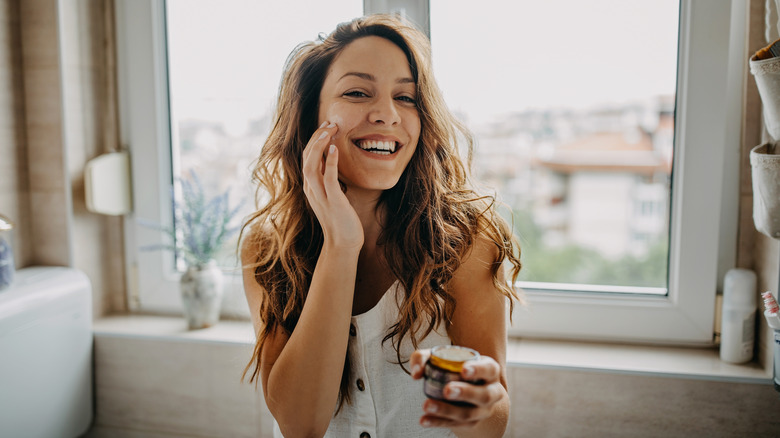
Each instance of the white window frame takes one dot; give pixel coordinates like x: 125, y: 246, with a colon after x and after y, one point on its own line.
x: 711, y: 75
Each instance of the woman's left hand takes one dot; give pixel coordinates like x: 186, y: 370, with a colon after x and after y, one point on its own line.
x: 483, y: 396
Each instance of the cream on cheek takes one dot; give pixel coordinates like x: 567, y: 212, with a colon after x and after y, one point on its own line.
x: 333, y: 115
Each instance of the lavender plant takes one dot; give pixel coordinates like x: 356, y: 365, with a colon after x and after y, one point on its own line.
x: 202, y: 225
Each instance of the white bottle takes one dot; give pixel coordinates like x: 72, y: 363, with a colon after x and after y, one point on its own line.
x: 738, y: 320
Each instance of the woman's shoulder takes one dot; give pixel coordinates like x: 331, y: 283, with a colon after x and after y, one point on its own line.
x: 479, y: 261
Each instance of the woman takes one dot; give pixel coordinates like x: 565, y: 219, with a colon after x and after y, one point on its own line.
x: 371, y: 247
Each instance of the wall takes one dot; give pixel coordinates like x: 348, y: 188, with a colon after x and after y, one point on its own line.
x: 198, y: 393
x: 755, y: 250
x: 14, y: 179
x: 55, y: 95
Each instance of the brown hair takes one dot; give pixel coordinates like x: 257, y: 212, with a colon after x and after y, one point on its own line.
x: 436, y: 214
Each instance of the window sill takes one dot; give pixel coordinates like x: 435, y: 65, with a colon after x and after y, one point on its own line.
x: 678, y: 362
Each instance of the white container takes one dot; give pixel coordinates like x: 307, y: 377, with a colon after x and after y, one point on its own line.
x: 738, y: 319
x: 46, y: 354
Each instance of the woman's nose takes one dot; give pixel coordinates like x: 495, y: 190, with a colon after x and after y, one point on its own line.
x: 383, y: 111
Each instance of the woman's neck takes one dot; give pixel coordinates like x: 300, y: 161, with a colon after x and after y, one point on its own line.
x: 365, y: 204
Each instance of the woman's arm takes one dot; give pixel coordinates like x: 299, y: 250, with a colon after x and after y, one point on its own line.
x: 301, y: 372
x: 479, y: 322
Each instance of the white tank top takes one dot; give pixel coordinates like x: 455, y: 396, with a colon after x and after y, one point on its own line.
x: 390, y: 402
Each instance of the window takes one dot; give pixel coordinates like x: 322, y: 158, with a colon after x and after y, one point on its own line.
x: 199, y: 85
x: 664, y: 214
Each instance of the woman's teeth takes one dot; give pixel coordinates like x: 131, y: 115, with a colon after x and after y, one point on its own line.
x: 377, y: 147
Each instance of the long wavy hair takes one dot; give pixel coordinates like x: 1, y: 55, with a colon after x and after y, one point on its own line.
x: 437, y: 215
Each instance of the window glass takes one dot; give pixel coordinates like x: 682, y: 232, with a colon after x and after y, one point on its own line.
x: 225, y: 61
x: 573, y: 107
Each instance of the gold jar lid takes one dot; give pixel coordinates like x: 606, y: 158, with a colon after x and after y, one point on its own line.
x: 452, y: 357
x: 5, y: 223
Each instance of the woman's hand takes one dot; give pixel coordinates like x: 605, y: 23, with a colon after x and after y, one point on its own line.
x: 484, y: 396
x: 338, y: 219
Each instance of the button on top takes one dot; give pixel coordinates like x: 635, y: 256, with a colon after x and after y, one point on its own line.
x: 352, y: 330
x: 365, y: 435
x: 360, y: 385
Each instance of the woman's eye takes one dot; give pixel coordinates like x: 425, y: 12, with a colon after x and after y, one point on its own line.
x: 408, y: 99
x: 355, y: 94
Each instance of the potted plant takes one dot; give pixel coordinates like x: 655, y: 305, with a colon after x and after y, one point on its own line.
x: 202, y: 226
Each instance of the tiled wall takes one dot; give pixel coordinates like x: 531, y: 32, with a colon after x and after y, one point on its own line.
x: 571, y: 403
x: 14, y: 181
x: 756, y: 251
x: 53, y: 104
x: 197, y: 392
x: 194, y: 390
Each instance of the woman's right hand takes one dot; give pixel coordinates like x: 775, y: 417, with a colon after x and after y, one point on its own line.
x: 340, y: 223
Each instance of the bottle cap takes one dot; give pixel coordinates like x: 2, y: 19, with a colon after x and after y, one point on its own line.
x: 452, y: 357
x: 739, y: 287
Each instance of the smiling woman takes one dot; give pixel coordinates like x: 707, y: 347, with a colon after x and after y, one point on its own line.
x: 375, y: 111
x: 392, y: 253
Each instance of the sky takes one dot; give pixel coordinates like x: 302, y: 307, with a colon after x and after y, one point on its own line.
x: 490, y: 56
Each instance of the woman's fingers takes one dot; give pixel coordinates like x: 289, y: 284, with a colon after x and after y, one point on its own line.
x: 468, y: 401
x: 475, y: 403
x: 331, y: 172
x: 313, y: 184
x: 483, y: 369
x: 417, y: 362
x: 478, y: 395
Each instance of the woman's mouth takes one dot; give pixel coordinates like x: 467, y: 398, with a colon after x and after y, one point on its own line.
x: 377, y: 147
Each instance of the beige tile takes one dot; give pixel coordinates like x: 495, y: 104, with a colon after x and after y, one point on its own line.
x: 45, y: 157
x: 558, y: 403
x: 115, y: 432
x: 173, y: 387
x: 50, y: 233
x: 43, y: 96
x: 40, y: 38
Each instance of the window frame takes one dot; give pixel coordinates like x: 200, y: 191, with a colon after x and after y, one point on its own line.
x: 703, y: 229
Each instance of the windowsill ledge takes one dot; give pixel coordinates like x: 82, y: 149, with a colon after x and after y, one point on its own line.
x: 659, y: 361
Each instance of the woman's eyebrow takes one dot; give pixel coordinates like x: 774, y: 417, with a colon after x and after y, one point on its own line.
x: 370, y: 77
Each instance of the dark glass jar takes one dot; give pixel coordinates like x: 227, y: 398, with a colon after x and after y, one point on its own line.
x: 444, y: 366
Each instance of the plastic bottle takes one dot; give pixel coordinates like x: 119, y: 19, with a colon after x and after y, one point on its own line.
x: 738, y: 320
x: 772, y: 315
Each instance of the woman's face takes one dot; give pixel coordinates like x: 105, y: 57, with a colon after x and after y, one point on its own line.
x: 370, y: 94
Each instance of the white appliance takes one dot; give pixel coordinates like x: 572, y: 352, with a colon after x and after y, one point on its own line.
x: 46, y: 354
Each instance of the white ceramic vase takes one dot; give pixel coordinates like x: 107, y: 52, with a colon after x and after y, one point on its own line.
x: 201, y: 294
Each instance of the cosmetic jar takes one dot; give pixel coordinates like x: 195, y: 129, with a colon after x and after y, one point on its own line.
x: 6, y: 252
x: 444, y: 366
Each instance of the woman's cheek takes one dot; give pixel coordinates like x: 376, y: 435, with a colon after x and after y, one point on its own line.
x: 334, y: 115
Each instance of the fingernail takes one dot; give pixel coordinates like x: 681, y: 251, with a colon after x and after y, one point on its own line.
x: 431, y: 408
x: 415, y: 369
x: 323, y: 124
x: 332, y: 149
x: 331, y: 125
x: 426, y: 423
x: 468, y: 371
x: 322, y: 135
x: 453, y: 392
